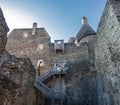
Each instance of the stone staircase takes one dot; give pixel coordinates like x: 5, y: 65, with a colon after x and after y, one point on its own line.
x: 42, y: 87
x: 47, y: 75
x: 52, y: 72
x: 56, y: 98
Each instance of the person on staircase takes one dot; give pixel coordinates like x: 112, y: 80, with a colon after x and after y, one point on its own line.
x: 40, y: 67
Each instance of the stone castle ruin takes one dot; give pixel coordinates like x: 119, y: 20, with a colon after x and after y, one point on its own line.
x: 54, y: 57
x: 83, y: 71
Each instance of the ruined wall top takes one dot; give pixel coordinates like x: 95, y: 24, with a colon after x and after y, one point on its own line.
x: 115, y: 5
x: 3, y: 22
x: 107, y: 54
x: 30, y: 33
x: 3, y: 33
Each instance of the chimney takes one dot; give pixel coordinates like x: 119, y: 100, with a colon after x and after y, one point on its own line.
x: 84, y: 20
x: 34, y: 28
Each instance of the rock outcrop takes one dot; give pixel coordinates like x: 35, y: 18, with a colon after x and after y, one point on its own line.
x: 107, y: 52
x: 17, y: 75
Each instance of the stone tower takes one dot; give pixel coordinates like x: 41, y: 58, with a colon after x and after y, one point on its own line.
x: 86, y: 33
x: 29, y: 42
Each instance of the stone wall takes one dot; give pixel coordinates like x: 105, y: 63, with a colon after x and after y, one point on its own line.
x: 16, y: 81
x: 78, y: 59
x: 3, y: 33
x: 23, y: 44
x: 28, y: 47
x: 107, y: 52
x: 17, y: 75
x: 81, y: 86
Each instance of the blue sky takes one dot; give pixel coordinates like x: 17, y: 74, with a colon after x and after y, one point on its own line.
x: 61, y: 18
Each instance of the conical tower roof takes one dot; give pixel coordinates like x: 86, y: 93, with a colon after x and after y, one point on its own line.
x: 85, y: 30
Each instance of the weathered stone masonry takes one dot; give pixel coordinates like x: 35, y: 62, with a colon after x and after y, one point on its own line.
x: 17, y: 75
x: 107, y: 52
x: 93, y: 77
